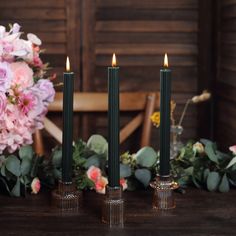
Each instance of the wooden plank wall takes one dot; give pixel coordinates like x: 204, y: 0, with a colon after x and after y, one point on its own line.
x: 140, y: 32
x: 225, y: 125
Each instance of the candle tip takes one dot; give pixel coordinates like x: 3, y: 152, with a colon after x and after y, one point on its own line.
x: 67, y: 64
x: 166, y: 60
x: 113, y: 60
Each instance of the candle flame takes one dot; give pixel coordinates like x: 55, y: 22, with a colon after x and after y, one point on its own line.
x: 67, y: 64
x: 166, y: 60
x: 113, y: 60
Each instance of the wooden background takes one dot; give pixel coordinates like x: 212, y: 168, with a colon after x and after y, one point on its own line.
x: 225, y: 124
x: 140, y: 32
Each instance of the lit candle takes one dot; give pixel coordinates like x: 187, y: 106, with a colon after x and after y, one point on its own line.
x: 67, y: 139
x: 113, y: 125
x: 165, y: 94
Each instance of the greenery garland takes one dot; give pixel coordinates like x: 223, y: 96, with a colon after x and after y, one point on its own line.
x: 200, y: 164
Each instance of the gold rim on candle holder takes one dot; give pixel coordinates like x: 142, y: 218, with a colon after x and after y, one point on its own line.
x: 163, y: 198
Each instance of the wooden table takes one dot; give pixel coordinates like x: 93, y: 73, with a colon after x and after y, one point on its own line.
x: 198, y: 213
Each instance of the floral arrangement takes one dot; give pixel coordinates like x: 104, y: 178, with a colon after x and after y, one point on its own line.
x: 203, y: 165
x: 25, y: 93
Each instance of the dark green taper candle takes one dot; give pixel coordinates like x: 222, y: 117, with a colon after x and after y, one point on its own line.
x: 113, y: 125
x: 67, y: 137
x: 165, y: 94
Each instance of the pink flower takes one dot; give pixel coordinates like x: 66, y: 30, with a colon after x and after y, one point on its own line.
x: 5, y: 76
x: 37, y: 61
x: 22, y: 75
x: 26, y: 102
x: 3, y: 103
x: 45, y: 89
x: 233, y: 149
x: 100, y: 185
x: 94, y: 173
x: 35, y: 185
x: 123, y: 183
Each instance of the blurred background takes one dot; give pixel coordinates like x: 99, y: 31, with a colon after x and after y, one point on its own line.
x: 198, y: 35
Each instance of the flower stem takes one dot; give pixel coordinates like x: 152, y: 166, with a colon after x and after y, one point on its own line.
x: 184, y: 111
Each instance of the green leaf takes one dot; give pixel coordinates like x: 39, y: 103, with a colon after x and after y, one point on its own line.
x: 143, y: 175
x: 13, y: 165
x: 125, y: 171
x: 231, y: 163
x: 5, y: 184
x: 206, y: 141
x: 98, y: 144
x: 224, y: 184
x: 57, y: 157
x: 26, y: 152
x: 205, y: 174
x: 213, y: 180
x: 3, y: 170
x: 92, y: 161
x: 209, y: 149
x: 25, y: 165
x: 146, y: 157
x: 189, y: 170
x: 16, y: 189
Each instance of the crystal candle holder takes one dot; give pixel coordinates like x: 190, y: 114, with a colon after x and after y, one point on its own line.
x: 66, y: 197
x: 113, y: 207
x: 163, y: 198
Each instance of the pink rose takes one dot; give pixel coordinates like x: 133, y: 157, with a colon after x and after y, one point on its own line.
x: 123, y: 183
x: 5, y: 76
x: 233, y: 149
x: 35, y: 185
x: 100, y: 185
x: 22, y: 75
x: 37, y: 61
x: 94, y: 173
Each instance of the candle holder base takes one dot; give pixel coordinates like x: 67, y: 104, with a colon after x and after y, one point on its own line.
x: 66, y: 197
x: 163, y: 198
x: 113, y: 207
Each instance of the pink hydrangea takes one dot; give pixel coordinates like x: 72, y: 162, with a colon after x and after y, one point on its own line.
x: 23, y: 101
x: 5, y: 76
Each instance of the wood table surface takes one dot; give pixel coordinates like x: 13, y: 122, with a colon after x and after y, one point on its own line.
x: 198, y: 213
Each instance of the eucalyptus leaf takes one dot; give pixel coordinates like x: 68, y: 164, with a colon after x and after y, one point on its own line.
x: 146, y: 157
x: 26, y: 152
x: 213, y: 180
x: 25, y: 165
x: 3, y: 170
x: 231, y: 163
x: 224, y: 184
x: 98, y: 144
x: 206, y: 141
x: 13, y: 165
x: 205, y: 174
x: 92, y: 161
x: 209, y: 149
x: 125, y: 171
x: 16, y: 189
x: 143, y: 175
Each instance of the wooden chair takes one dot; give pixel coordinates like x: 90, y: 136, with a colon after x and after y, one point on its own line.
x: 144, y: 102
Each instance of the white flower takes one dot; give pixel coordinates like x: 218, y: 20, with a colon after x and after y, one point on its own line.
x: 198, y: 147
x: 34, y: 39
